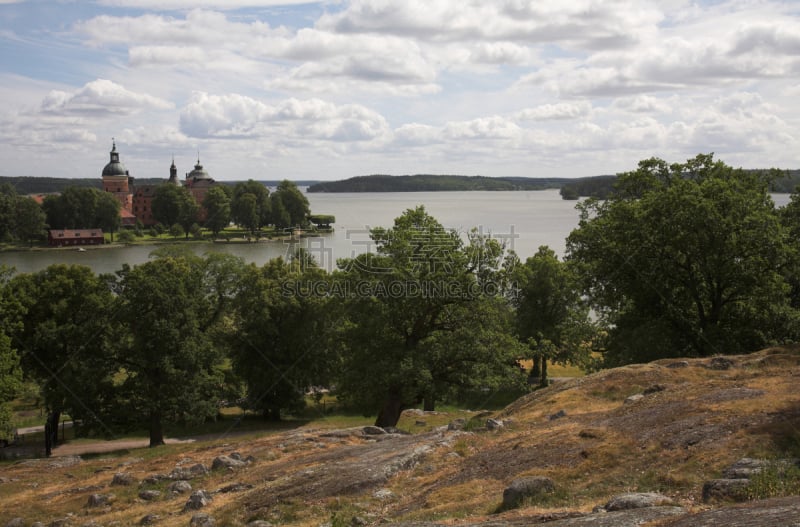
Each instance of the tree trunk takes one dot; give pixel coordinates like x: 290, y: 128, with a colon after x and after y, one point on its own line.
x: 536, y: 371
x: 392, y: 409
x: 156, y: 430
x: 429, y: 403
x: 544, y: 381
x: 51, y: 432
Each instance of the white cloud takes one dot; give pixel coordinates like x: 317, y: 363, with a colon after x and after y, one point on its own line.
x: 643, y: 104
x: 192, y: 4
x: 582, y: 23
x: 101, y: 96
x: 562, y: 110
x: 293, y: 120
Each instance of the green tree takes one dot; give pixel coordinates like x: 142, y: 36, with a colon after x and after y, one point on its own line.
x: 29, y: 222
x: 63, y: 340
x: 8, y: 201
x: 10, y: 382
x: 172, y: 368
x: 10, y: 372
x: 173, y: 204
x: 551, y: 316
x: 256, y: 212
x: 245, y: 212
x: 684, y: 259
x: 278, y: 341
x: 107, y: 213
x: 218, y: 207
x: 295, y: 203
x: 423, y: 319
x: 280, y: 217
x: 176, y: 231
x: 74, y: 208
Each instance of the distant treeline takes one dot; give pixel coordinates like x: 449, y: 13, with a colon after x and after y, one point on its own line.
x: 49, y: 185
x: 433, y: 183
x: 570, y: 188
x: 787, y: 183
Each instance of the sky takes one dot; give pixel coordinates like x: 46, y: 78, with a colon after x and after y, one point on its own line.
x: 274, y: 89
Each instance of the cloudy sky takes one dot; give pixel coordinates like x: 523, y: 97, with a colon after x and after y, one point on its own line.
x: 270, y: 89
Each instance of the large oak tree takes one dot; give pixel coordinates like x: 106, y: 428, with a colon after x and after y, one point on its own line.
x: 424, y: 317
x: 684, y: 259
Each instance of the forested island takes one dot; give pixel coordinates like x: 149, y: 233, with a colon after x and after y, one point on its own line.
x: 570, y: 188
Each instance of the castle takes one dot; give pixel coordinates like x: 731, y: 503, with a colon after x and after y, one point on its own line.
x: 137, y: 200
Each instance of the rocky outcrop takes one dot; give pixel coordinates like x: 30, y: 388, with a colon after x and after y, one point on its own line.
x: 526, y: 489
x: 197, y: 500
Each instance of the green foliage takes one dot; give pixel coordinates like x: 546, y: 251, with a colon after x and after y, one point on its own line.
x: 599, y: 187
x: 172, y: 367
x: 82, y: 208
x: 779, y: 478
x: 63, y: 340
x: 29, y: 222
x: 251, y: 206
x: 421, y: 317
x: 246, y: 212
x: 173, y: 204
x: 176, y: 231
x: 126, y: 236
x: 293, y: 202
x: 683, y: 260
x: 218, y: 209
x: 551, y: 316
x: 323, y: 221
x: 278, y: 342
x: 10, y: 383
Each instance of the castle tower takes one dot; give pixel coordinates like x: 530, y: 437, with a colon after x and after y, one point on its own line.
x: 117, y: 180
x: 173, y: 173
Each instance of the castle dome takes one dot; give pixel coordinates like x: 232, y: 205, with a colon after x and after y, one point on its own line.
x: 114, y: 167
x: 198, y: 173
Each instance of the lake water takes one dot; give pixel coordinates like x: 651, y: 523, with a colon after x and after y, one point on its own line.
x: 523, y: 220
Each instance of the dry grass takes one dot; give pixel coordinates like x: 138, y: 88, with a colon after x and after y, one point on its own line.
x: 694, y: 422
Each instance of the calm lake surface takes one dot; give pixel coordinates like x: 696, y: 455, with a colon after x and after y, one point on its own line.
x: 523, y: 220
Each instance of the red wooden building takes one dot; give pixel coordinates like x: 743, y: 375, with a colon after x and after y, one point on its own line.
x: 68, y: 237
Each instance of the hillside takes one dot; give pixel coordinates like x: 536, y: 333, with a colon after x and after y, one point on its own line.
x: 668, y: 427
x: 434, y: 183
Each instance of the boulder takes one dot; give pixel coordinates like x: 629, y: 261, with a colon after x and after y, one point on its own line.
x: 726, y: 489
x: 259, y: 523
x: 634, y: 398
x: 720, y: 363
x: 202, y: 520
x: 123, y: 478
x: 180, y: 487
x: 197, y: 500
x: 149, y: 495
x: 745, y: 468
x: 493, y: 424
x: 637, y: 500
x: 188, y: 473
x: 99, y: 500
x: 226, y: 462
x: 373, y: 430
x: 149, y: 519
x: 558, y: 415
x: 16, y: 522
x: 457, y: 424
x: 234, y: 487
x: 528, y: 488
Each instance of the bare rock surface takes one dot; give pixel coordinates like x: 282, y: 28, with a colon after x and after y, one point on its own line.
x: 346, y: 470
x: 772, y: 512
